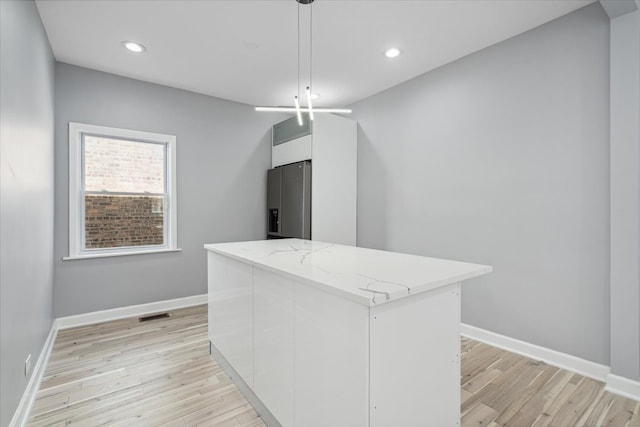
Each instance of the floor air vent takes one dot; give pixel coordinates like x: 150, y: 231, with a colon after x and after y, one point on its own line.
x: 153, y: 317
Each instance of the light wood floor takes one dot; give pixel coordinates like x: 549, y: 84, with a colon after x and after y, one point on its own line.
x: 504, y: 389
x: 126, y: 373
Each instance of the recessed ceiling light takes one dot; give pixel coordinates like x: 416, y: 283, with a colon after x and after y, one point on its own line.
x: 315, y: 95
x: 134, y: 47
x: 392, y: 53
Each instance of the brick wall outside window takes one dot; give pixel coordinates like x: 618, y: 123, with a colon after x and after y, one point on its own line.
x: 126, y: 167
x: 117, y: 221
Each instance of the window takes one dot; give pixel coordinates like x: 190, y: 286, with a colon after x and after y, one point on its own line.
x: 121, y: 192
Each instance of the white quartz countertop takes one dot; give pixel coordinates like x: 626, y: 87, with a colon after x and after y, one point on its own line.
x: 368, y: 276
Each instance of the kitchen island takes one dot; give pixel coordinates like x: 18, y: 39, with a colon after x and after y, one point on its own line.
x: 318, y: 334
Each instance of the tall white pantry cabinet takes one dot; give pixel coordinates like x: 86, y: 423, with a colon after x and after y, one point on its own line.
x: 330, y: 142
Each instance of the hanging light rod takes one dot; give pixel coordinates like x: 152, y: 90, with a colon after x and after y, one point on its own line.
x: 305, y: 110
x: 298, y: 113
x: 298, y: 109
x: 309, y: 103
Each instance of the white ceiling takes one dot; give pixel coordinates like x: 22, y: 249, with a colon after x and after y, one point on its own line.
x: 246, y: 51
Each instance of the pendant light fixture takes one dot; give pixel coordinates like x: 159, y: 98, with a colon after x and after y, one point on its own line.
x: 297, y: 108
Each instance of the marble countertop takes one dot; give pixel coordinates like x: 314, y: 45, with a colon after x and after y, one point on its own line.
x: 367, y: 276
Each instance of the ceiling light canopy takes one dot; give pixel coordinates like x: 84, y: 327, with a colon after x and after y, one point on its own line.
x: 297, y: 108
x: 392, y: 53
x: 133, y: 46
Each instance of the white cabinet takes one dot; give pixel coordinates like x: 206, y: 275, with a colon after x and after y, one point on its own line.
x: 331, y: 145
x: 273, y: 344
x: 331, y: 360
x: 291, y: 151
x: 231, y: 312
x: 297, y: 374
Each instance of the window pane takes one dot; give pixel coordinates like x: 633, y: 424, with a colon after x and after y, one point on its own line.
x: 123, y: 166
x: 123, y: 221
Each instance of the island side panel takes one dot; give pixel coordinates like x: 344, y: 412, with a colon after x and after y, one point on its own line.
x: 415, y: 360
x: 273, y: 374
x: 331, y: 360
x: 231, y: 312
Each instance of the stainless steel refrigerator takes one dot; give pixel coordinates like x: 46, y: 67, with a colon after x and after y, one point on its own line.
x: 289, y: 201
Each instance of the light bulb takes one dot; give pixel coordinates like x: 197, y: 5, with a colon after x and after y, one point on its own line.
x: 298, y: 113
x: 392, y: 53
x: 134, y: 47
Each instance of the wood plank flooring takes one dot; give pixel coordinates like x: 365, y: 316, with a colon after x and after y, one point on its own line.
x: 504, y: 389
x: 127, y: 373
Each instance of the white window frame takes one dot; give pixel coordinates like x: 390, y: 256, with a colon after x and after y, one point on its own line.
x: 77, y: 131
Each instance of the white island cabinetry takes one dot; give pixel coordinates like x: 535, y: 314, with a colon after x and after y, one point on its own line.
x: 319, y: 334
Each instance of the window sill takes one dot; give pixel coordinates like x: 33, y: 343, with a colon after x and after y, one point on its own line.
x: 108, y: 255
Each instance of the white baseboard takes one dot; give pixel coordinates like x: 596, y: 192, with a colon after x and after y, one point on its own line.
x: 129, y: 311
x: 555, y: 358
x: 24, y: 406
x: 623, y: 386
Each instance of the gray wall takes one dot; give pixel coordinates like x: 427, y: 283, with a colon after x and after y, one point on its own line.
x: 502, y: 158
x: 625, y: 195
x: 26, y: 195
x: 223, y: 153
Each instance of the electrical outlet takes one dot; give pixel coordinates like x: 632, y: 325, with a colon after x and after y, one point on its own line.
x: 27, y: 366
